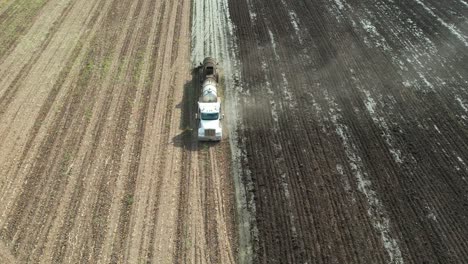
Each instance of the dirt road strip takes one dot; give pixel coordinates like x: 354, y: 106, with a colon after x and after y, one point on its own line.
x: 213, y: 35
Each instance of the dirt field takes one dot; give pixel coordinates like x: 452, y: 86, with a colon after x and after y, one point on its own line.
x: 354, y: 128
x: 98, y: 162
x: 346, y: 132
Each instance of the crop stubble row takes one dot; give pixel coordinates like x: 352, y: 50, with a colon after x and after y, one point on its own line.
x: 98, y: 171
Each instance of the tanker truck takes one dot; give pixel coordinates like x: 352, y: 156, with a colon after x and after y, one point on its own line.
x: 209, y: 114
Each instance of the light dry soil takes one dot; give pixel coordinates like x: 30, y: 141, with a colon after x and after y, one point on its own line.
x: 98, y: 161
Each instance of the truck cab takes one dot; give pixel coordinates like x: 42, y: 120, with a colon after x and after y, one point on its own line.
x: 209, y: 125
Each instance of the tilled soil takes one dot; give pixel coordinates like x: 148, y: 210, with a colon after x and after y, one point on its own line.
x: 354, y: 129
x: 98, y: 161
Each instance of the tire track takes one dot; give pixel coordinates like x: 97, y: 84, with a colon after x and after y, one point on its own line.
x: 221, y: 216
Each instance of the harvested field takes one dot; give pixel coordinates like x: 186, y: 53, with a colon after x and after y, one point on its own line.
x: 98, y: 163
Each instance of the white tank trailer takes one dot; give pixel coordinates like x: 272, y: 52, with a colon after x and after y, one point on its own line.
x: 209, y: 114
